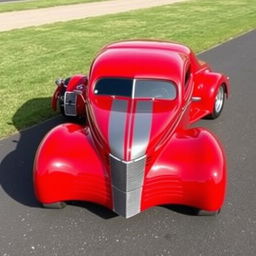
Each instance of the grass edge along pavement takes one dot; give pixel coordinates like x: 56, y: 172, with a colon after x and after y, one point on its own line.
x: 32, y: 58
x: 32, y: 4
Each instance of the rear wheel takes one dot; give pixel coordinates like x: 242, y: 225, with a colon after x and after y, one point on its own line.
x: 57, y: 205
x: 219, y: 103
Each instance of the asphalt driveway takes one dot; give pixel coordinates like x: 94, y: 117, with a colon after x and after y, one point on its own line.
x: 88, y: 229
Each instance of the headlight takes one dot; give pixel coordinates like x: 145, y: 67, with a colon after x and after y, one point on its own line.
x: 59, y: 81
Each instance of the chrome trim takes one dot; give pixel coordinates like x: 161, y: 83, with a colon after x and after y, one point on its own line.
x: 127, y: 180
x: 133, y: 88
x: 117, y: 127
x: 127, y: 176
x: 126, y: 204
x: 142, y: 128
x: 70, y: 99
x: 196, y: 99
x: 59, y: 81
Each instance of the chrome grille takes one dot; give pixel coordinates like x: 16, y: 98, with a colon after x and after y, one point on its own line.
x: 127, y: 176
x: 127, y: 180
x: 70, y: 99
x: 126, y: 204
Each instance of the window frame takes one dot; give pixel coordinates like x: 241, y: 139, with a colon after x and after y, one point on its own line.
x: 187, y: 77
x: 132, y: 96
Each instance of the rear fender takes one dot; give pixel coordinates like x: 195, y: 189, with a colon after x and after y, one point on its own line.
x: 190, y: 171
x: 205, y: 89
x: 68, y: 167
x: 54, y: 101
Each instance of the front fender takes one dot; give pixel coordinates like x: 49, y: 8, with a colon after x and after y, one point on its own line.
x: 54, y: 101
x: 75, y: 81
x: 67, y: 166
x: 190, y: 171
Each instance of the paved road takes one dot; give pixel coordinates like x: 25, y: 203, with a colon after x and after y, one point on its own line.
x: 87, y: 229
x: 28, y: 18
x: 5, y: 1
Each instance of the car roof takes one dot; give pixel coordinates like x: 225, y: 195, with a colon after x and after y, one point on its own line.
x: 151, y: 44
x: 141, y: 59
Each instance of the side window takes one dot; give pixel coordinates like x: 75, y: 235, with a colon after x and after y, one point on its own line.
x: 187, y: 76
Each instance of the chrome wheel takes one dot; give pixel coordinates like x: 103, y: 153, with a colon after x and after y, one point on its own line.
x: 219, y: 100
x: 218, y: 103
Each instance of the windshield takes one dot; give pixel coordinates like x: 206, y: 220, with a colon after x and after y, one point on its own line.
x: 138, y: 88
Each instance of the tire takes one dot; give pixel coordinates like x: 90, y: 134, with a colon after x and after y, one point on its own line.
x: 61, y: 102
x: 57, y: 205
x: 219, y: 103
x: 208, y: 213
x: 61, y: 98
x: 62, y: 111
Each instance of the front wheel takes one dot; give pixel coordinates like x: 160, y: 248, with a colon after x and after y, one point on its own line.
x: 219, y: 103
x: 208, y: 213
x: 61, y: 101
x: 57, y: 205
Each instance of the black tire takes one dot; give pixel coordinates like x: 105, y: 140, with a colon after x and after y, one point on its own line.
x: 61, y: 97
x: 61, y: 101
x: 219, y: 103
x: 208, y: 213
x: 62, y: 111
x: 57, y: 205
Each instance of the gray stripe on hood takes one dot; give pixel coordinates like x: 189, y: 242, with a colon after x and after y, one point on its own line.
x: 142, y: 128
x: 116, y: 131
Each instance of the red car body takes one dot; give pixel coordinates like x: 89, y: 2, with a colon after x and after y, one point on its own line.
x: 137, y: 149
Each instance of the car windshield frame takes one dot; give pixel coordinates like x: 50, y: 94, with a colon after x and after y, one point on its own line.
x: 135, y: 91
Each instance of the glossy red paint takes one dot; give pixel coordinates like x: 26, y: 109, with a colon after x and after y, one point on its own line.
x: 183, y: 166
x: 71, y: 168
x: 55, y: 98
x: 193, y: 165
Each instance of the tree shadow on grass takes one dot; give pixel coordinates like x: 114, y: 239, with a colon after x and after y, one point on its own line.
x: 16, y: 177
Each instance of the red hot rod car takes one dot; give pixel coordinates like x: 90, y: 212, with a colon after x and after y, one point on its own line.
x: 136, y: 149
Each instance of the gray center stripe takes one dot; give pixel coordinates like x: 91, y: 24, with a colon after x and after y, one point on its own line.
x: 117, y: 127
x: 142, y: 128
x: 127, y: 177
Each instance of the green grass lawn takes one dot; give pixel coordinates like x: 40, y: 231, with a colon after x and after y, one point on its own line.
x: 32, y: 58
x: 34, y: 4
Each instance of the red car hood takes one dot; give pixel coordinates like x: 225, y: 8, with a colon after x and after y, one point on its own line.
x: 131, y: 127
